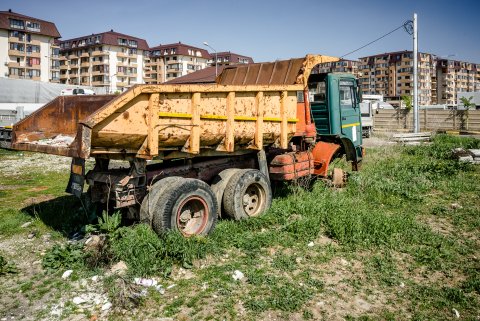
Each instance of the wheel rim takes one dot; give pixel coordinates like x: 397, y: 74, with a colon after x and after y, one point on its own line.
x: 192, y: 216
x: 253, y: 199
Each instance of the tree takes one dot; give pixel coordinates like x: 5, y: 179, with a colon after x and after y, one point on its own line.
x: 467, y: 103
x: 407, y: 101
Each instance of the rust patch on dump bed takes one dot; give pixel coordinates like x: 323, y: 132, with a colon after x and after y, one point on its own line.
x: 126, y: 115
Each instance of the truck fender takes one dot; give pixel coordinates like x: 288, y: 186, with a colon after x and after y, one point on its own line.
x: 351, y: 153
x: 323, y: 153
x: 349, y: 149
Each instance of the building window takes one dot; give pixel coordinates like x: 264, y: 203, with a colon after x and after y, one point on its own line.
x: 17, y: 24
x: 17, y: 34
x: 17, y: 46
x: 33, y: 26
x: 33, y: 61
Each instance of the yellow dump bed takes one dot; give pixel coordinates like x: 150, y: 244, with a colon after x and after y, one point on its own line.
x: 150, y: 119
x: 242, y: 111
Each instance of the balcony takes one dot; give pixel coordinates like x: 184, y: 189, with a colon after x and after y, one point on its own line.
x: 33, y: 54
x: 84, y: 55
x: 132, y: 75
x: 72, y: 56
x: 85, y: 64
x: 84, y: 74
x: 32, y: 66
x: 101, y: 83
x: 64, y: 67
x: 54, y: 68
x: 97, y: 63
x: 62, y: 58
x: 74, y: 66
x: 99, y: 73
x: 121, y: 63
x: 122, y: 55
x: 63, y: 76
x: 100, y: 53
x: 121, y: 84
x: 72, y: 76
x: 132, y: 56
x: 16, y: 65
x: 13, y: 76
x: 120, y: 74
x: 16, y: 53
x: 34, y: 42
x: 16, y: 39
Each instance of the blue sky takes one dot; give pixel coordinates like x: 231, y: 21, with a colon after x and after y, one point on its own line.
x: 270, y: 30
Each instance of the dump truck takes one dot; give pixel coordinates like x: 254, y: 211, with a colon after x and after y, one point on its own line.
x: 197, y: 153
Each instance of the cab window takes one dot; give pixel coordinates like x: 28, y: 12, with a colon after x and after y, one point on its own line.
x: 317, y: 92
x: 347, y: 94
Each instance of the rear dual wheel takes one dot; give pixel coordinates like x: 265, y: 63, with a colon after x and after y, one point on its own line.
x: 247, y: 194
x: 183, y: 204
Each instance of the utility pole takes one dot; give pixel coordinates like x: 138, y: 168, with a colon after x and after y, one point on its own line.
x: 415, y: 75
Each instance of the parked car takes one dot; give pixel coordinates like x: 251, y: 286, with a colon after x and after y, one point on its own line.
x: 77, y: 91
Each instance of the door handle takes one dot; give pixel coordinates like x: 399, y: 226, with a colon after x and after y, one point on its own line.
x: 344, y: 118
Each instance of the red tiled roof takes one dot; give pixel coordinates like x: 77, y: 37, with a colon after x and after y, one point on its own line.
x: 202, y: 76
x: 110, y: 38
x: 180, y: 49
x: 47, y: 28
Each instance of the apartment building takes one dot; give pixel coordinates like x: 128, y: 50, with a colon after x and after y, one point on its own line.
x: 226, y: 58
x: 110, y: 59
x: 391, y: 75
x: 171, y: 61
x: 455, y: 76
x: 348, y: 66
x: 28, y: 48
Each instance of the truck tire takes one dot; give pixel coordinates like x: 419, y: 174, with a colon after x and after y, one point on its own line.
x: 248, y: 193
x: 146, y: 209
x: 219, y: 184
x: 187, y: 205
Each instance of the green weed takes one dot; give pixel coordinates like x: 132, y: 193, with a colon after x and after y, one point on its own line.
x: 147, y: 254
x: 7, y: 267
x: 63, y: 257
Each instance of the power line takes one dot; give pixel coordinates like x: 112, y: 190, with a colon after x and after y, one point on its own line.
x: 406, y: 25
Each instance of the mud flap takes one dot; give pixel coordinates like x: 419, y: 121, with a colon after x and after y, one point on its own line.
x: 77, y: 177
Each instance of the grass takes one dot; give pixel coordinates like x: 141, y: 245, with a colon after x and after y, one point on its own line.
x: 393, y: 234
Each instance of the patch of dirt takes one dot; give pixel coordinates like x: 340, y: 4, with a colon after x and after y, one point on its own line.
x: 438, y: 224
x: 38, y: 189
x: 377, y: 141
x: 23, y: 162
x: 38, y: 199
x: 9, y: 187
x: 26, y: 255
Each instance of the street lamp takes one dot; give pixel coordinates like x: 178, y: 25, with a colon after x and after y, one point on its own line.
x: 216, y: 57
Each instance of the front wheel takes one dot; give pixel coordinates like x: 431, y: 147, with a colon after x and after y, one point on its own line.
x: 248, y: 193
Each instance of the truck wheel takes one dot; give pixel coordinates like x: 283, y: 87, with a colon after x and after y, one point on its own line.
x: 248, y: 193
x: 219, y: 184
x: 146, y: 209
x: 187, y: 205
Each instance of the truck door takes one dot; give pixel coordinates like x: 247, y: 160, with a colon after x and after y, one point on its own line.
x: 350, y: 111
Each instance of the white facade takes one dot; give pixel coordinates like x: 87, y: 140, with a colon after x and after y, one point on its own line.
x: 18, y: 63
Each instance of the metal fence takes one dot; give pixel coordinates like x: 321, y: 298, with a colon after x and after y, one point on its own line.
x: 430, y: 120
